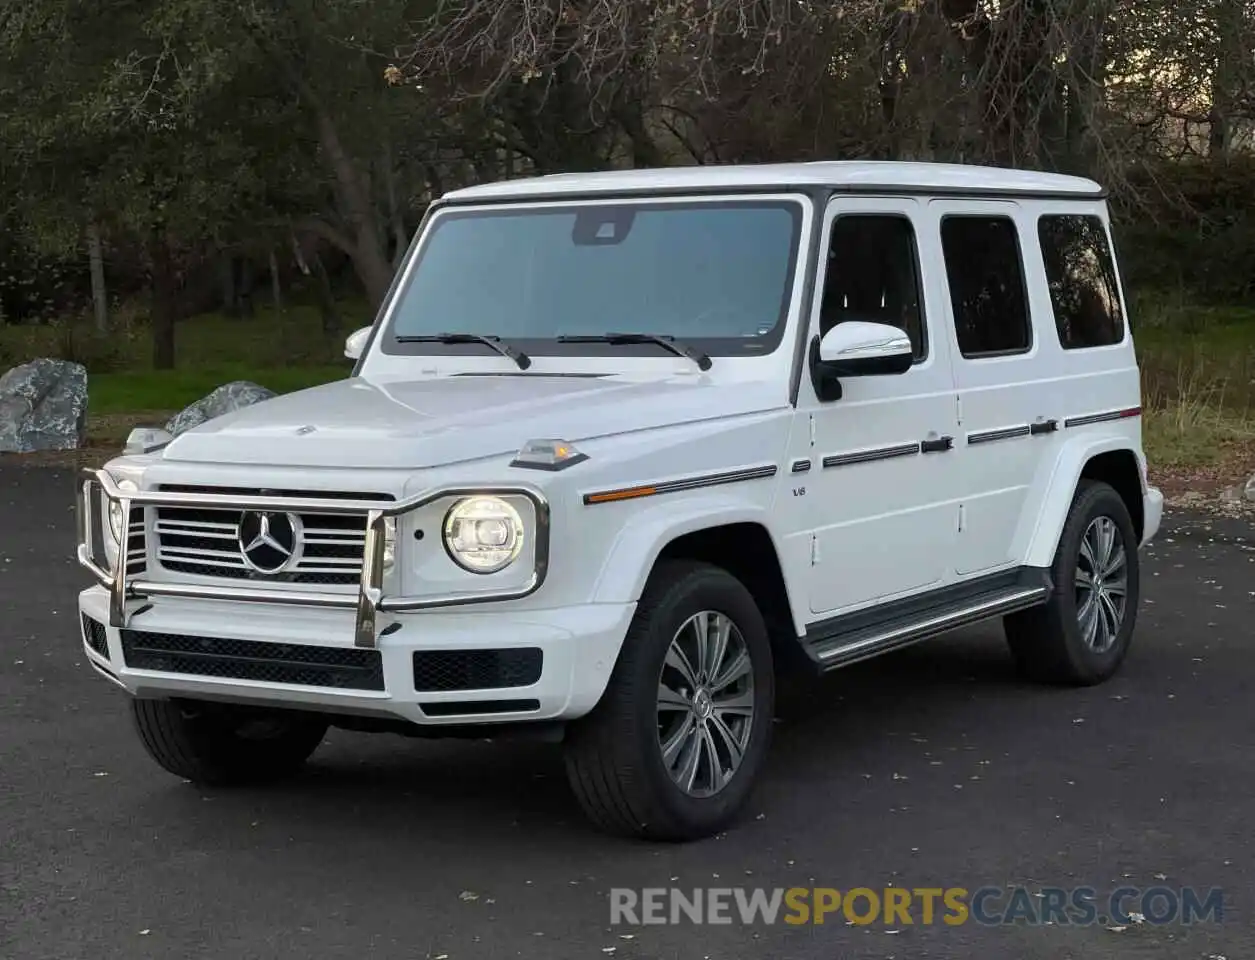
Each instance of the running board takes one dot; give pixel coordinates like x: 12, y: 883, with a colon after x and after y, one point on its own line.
x: 836, y: 647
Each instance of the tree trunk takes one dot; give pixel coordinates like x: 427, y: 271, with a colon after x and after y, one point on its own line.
x: 226, y: 272
x: 96, y: 263
x: 1226, y: 77
x: 276, y: 287
x: 164, y: 303
x: 369, y: 260
x: 331, y: 323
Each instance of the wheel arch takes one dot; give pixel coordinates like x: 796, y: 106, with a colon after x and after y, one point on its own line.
x: 732, y: 535
x: 1112, y: 460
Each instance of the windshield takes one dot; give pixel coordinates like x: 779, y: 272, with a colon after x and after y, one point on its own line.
x: 715, y: 274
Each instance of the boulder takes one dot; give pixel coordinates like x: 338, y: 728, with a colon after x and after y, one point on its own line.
x: 228, y: 397
x: 1250, y: 489
x: 43, y: 406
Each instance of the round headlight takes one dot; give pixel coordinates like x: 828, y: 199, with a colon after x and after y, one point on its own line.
x: 483, y: 534
x: 115, y: 509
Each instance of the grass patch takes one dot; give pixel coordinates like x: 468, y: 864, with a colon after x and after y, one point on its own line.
x: 115, y: 393
x: 1198, y: 387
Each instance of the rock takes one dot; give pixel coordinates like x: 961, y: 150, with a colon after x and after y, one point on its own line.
x: 1250, y: 489
x: 228, y: 397
x: 43, y: 406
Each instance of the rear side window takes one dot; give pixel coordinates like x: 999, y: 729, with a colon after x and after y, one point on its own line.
x: 1081, y: 274
x: 986, y: 278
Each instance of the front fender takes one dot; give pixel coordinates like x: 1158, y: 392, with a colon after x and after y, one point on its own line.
x: 1055, y: 501
x: 645, y: 533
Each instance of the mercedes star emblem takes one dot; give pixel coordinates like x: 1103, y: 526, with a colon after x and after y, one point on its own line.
x: 270, y: 543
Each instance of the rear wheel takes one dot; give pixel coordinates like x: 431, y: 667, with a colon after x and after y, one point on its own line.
x: 675, y: 746
x: 1082, y: 634
x: 222, y: 745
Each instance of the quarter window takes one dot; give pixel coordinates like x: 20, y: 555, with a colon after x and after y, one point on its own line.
x: 986, y: 278
x: 873, y: 275
x: 1081, y: 275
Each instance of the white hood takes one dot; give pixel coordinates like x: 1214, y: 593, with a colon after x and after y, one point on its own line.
x: 426, y: 423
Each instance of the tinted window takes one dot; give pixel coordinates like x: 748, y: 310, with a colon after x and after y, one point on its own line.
x: 873, y: 274
x: 1081, y: 275
x: 718, y: 274
x: 986, y: 279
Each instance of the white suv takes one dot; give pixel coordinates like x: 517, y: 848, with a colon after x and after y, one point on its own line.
x: 617, y: 447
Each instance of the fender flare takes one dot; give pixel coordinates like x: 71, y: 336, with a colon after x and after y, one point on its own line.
x: 1057, y: 500
x: 646, y: 533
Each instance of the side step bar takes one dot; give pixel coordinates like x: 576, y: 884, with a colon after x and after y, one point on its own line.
x: 836, y: 647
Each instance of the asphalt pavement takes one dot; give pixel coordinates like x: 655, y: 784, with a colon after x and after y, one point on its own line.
x: 932, y: 768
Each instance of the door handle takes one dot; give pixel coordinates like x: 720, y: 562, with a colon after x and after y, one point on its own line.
x: 1043, y: 426
x: 940, y: 445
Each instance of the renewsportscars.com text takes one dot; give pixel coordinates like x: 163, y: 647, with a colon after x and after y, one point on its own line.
x: 903, y: 906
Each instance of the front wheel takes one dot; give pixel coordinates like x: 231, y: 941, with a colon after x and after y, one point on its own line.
x: 220, y: 745
x: 1083, y: 632
x: 675, y: 746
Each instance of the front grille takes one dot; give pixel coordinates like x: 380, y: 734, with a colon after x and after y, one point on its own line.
x: 441, y: 670
x: 94, y: 634
x: 344, y: 668
x: 205, y: 541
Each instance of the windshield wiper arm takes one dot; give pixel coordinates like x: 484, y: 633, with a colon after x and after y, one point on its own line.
x: 668, y: 342
x: 515, y: 354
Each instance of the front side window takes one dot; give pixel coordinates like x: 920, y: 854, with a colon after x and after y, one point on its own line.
x: 1081, y: 275
x: 873, y: 275
x: 717, y: 275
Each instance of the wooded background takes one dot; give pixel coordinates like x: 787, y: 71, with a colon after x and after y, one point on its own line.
x: 185, y: 156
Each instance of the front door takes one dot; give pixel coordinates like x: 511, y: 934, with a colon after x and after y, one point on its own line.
x: 881, y: 489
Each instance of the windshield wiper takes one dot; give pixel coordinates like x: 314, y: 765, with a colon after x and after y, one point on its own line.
x: 668, y: 342
x: 515, y: 354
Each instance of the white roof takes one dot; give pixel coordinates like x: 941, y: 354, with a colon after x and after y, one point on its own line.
x: 858, y: 175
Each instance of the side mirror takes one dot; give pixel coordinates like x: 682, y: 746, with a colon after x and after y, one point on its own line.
x: 857, y: 348
x: 356, y: 342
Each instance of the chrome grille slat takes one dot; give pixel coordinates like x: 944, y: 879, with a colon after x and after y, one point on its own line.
x: 201, y: 556
x: 178, y: 531
x: 199, y: 525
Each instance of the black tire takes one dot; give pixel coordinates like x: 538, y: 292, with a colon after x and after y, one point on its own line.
x: 614, y: 758
x: 211, y: 745
x: 1047, y: 641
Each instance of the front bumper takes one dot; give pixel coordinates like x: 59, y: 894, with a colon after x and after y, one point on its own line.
x: 1152, y: 513
x: 435, y: 659
x: 437, y: 668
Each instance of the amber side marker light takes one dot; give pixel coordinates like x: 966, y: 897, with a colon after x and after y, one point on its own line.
x: 631, y: 493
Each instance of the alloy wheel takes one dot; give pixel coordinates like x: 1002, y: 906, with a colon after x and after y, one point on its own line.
x: 705, y: 704
x: 1101, y: 584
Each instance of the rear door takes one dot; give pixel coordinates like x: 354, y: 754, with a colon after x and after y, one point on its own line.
x: 986, y: 247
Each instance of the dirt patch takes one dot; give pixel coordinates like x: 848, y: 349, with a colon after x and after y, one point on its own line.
x: 1233, y: 468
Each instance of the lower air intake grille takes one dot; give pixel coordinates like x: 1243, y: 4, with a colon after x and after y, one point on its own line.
x: 94, y: 634
x: 340, y: 667
x: 441, y: 670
